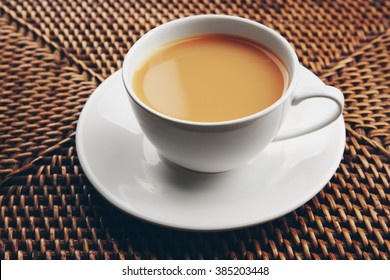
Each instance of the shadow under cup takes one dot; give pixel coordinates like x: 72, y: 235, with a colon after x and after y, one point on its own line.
x: 210, y: 146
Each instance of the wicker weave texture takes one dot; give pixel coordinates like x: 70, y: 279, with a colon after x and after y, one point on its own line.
x: 52, y: 56
x: 41, y: 98
x: 97, y: 34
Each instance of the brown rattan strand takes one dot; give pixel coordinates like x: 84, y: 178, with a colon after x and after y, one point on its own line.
x: 49, y: 210
x: 364, y: 78
x: 322, y: 32
x: 97, y: 34
x: 41, y: 97
x: 54, y: 213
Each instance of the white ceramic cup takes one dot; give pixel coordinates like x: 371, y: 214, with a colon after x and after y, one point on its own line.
x: 220, y: 146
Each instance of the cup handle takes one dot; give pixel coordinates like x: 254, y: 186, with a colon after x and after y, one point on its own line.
x: 328, y: 92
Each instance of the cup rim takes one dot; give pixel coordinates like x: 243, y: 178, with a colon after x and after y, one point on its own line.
x: 286, y: 94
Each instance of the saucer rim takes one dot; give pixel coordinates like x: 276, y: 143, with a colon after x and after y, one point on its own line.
x: 188, y: 227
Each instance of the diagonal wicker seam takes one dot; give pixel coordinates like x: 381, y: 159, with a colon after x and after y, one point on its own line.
x: 58, y: 214
x: 99, y: 32
x: 367, y: 98
x: 333, y: 67
x: 83, y: 67
x: 367, y: 140
x: 100, y: 78
x: 327, y: 71
x: 358, y: 54
x: 54, y: 212
x: 64, y: 53
x: 31, y: 124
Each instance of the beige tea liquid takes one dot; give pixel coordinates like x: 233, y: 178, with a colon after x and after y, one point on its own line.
x: 211, y: 78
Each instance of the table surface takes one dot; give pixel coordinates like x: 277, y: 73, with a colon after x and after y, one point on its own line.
x: 53, y: 54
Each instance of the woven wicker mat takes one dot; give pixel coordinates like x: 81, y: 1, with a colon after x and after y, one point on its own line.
x: 53, y: 54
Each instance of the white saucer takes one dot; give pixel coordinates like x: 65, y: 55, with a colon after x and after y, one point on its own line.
x: 126, y: 169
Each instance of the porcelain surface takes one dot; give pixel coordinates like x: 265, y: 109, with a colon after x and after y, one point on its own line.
x: 225, y: 145
x: 127, y: 170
